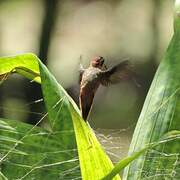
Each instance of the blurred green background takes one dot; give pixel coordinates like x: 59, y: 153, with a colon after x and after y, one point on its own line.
x: 59, y: 31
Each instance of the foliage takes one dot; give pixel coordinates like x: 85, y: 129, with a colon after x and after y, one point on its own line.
x: 31, y: 152
x: 70, y: 150
x: 160, y: 114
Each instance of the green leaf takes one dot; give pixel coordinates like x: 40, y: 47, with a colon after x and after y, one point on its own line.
x: 93, y: 161
x: 160, y: 114
x: 25, y: 64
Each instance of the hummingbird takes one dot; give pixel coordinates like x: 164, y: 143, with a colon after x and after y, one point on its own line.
x: 98, y: 74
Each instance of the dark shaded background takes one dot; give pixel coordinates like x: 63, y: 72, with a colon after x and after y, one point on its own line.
x: 59, y: 31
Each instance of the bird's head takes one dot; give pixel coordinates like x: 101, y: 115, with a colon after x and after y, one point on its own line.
x: 98, y: 62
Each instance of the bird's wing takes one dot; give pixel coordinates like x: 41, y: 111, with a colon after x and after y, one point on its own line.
x: 81, y: 71
x: 119, y: 72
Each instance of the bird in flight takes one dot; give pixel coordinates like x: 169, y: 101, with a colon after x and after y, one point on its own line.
x: 97, y: 74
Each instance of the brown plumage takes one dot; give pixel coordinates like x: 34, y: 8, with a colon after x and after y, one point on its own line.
x: 97, y: 74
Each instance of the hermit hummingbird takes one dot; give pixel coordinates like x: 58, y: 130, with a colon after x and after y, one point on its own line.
x: 98, y: 74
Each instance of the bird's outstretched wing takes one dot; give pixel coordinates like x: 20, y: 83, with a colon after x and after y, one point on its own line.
x: 81, y: 71
x: 119, y: 72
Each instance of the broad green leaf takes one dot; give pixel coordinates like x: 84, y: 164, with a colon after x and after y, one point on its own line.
x: 93, y: 163
x: 160, y: 114
x: 67, y: 128
x: 25, y: 64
